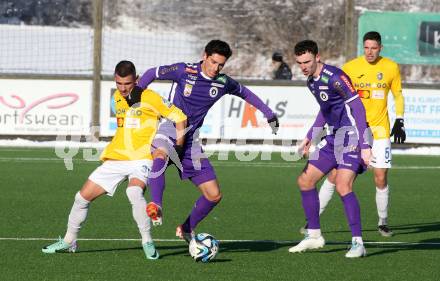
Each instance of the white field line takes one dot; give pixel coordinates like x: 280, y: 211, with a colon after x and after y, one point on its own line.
x: 218, y: 163
x: 226, y: 240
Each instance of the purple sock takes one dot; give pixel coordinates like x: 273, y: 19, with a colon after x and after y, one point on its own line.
x: 353, y: 213
x: 310, y: 202
x: 157, y: 180
x: 201, y: 209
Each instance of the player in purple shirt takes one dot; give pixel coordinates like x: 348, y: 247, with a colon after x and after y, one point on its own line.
x: 198, y: 86
x: 345, y: 148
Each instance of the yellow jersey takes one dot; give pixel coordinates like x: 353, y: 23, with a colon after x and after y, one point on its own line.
x: 137, y: 118
x: 373, y: 82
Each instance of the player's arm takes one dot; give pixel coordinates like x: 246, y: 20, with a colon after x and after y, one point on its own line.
x: 164, y: 72
x: 167, y: 110
x: 342, y: 84
x: 237, y: 89
x: 398, y: 130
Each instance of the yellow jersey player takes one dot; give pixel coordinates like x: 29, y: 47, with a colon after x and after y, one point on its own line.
x: 373, y: 77
x: 126, y: 156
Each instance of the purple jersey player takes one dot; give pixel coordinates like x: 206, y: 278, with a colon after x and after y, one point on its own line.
x: 345, y: 148
x: 198, y: 86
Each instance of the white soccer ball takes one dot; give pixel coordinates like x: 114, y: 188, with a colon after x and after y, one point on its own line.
x: 203, y: 247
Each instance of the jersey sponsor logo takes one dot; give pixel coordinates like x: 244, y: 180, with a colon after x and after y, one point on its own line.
x: 363, y: 94
x: 133, y: 112
x: 217, y: 85
x: 323, y: 87
x: 379, y: 76
x: 323, y: 96
x: 347, y: 82
x: 190, y: 82
x: 213, y: 91
x: 328, y: 72
x: 192, y: 77
x: 221, y: 79
x: 190, y: 70
x: 165, y: 70
x: 338, y: 87
x: 120, y: 122
x: 378, y: 94
x: 324, y: 79
x: 188, y: 89
x: 132, y: 123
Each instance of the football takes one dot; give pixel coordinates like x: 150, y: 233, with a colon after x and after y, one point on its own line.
x: 203, y: 247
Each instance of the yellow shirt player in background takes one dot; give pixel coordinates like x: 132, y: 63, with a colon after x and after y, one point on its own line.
x: 127, y: 156
x: 373, y: 77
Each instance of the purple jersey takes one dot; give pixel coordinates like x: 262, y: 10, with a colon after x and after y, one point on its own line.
x: 333, y: 90
x: 338, y: 101
x: 196, y: 93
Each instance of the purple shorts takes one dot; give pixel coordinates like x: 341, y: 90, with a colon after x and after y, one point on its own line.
x: 194, y: 164
x: 342, y: 153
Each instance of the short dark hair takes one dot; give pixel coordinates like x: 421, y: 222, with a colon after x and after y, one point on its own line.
x: 218, y: 47
x: 373, y: 35
x: 125, y: 68
x: 306, y: 46
x: 277, y: 56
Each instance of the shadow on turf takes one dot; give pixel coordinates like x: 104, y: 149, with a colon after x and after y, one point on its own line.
x: 402, y: 229
x: 392, y: 248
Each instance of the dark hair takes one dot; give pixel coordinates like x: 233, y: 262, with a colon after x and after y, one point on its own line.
x: 277, y: 56
x: 218, y: 47
x: 306, y: 46
x: 373, y: 35
x: 125, y: 68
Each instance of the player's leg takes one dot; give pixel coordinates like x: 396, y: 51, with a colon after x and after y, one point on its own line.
x: 344, y: 186
x: 207, y: 183
x: 310, y: 202
x: 382, y: 200
x: 326, y: 191
x: 157, y: 185
x: 77, y: 216
x: 325, y: 195
x: 135, y: 194
x: 381, y: 163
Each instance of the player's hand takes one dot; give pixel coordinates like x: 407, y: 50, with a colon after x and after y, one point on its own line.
x: 274, y: 124
x: 304, y: 147
x: 398, y: 131
x: 366, y: 155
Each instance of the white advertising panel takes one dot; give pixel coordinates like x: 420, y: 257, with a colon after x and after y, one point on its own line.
x: 422, y: 115
x: 295, y: 106
x: 45, y: 107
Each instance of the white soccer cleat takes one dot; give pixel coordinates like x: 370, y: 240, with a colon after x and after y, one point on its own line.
x: 356, y: 251
x: 308, y: 243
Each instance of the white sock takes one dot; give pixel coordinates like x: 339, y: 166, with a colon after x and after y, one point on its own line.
x: 315, y: 233
x: 325, y: 194
x: 77, y: 216
x: 136, y: 197
x: 382, y: 198
x: 357, y: 239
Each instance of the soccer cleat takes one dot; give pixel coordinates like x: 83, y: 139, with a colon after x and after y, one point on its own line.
x: 60, y: 247
x: 356, y: 251
x: 308, y: 243
x: 385, y: 231
x: 154, y: 211
x: 150, y: 251
x: 184, y: 235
